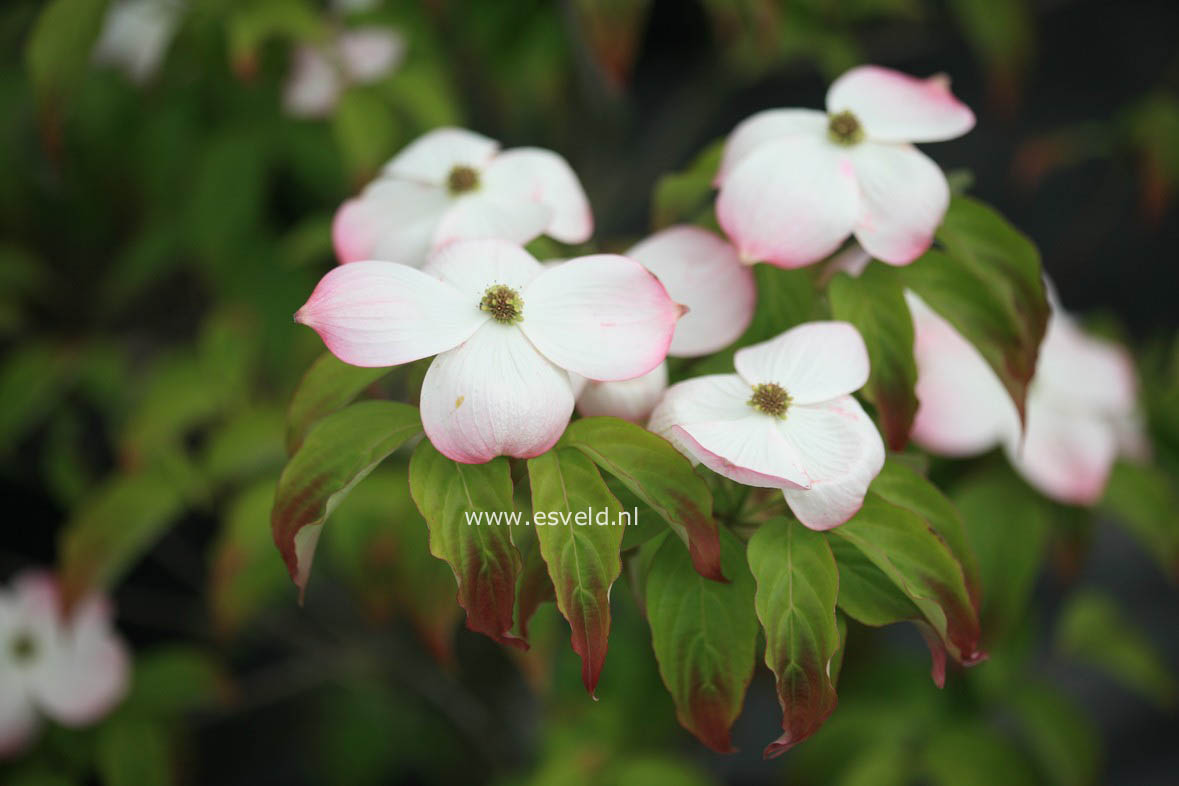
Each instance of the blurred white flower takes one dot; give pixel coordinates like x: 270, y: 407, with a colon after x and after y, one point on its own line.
x: 135, y: 35
x: 320, y: 74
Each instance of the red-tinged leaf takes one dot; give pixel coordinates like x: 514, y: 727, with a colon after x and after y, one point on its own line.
x: 797, y: 585
x: 328, y: 385
x: 704, y: 634
x: 582, y: 554
x: 875, y: 304
x: 336, y: 455
x: 485, y: 563
x: 988, y: 283
x: 918, y: 562
x: 534, y: 586
x: 660, y: 476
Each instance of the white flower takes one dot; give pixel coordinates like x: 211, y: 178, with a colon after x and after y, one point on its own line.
x: 454, y: 184
x: 72, y: 670
x: 319, y: 75
x: 135, y: 35
x: 785, y: 420
x: 794, y: 183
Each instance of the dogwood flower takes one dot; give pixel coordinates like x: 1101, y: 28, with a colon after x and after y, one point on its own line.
x: 785, y: 420
x: 794, y: 183
x: 135, y: 35
x: 319, y: 75
x: 454, y: 184
x: 1081, y: 405
x: 703, y: 272
x: 506, y: 332
x: 72, y: 670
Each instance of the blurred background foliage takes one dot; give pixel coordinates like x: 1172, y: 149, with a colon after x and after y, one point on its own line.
x: 156, y: 234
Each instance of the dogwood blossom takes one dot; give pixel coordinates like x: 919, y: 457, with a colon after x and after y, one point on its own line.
x: 72, y: 670
x: 703, y: 272
x: 794, y: 183
x: 135, y: 35
x: 506, y: 331
x: 320, y: 74
x: 785, y: 420
x: 453, y: 184
x: 1081, y: 405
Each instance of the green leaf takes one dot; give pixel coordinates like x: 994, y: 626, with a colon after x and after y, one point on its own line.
x: 485, y: 563
x: 1061, y: 737
x: 171, y: 681
x: 988, y: 284
x: 1093, y: 629
x: 366, y: 129
x: 657, y: 474
x: 1009, y: 526
x: 132, y: 752
x: 972, y: 754
x: 116, y: 525
x: 581, y: 552
x: 908, y: 550
x: 34, y: 377
x: 245, y: 447
x: 534, y: 587
x: 244, y: 576
x: 866, y: 594
x: 704, y: 634
x: 58, y: 50
x: 1143, y: 500
x: 875, y: 304
x: 326, y: 387
x: 797, y: 584
x: 686, y: 197
x: 336, y: 455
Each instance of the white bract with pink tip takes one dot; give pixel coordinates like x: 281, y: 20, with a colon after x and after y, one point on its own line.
x: 1081, y: 406
x: 703, y: 273
x: 795, y: 183
x: 507, y: 331
x: 453, y: 184
x: 785, y: 420
x: 72, y: 670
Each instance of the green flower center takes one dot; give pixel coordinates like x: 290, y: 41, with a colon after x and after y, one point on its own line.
x: 843, y: 128
x: 23, y: 648
x: 503, y: 303
x: 462, y: 179
x: 770, y: 398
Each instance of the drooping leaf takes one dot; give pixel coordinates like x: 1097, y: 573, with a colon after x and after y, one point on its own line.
x: 327, y: 386
x: 988, y: 284
x: 485, y: 563
x: 657, y: 474
x: 875, y: 304
x: 1008, y: 526
x: 110, y: 530
x: 1093, y: 629
x: 582, y: 557
x: 1143, y: 499
x: 338, y: 453
x: 914, y: 557
x: 797, y: 584
x: 534, y: 586
x: 704, y: 634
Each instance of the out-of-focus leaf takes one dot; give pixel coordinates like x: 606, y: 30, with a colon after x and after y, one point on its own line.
x: 245, y: 574
x: 704, y: 634
x: 686, y: 197
x: 612, y: 30
x: 908, y: 550
x: 171, y: 681
x: 883, y: 765
x: 875, y: 304
x: 1062, y: 738
x: 180, y: 395
x: 989, y: 285
x: 1008, y: 525
x: 1002, y: 33
x: 134, y: 753
x: 1143, y: 499
x: 660, y: 476
x: 338, y: 453
x: 327, y: 386
x: 33, y: 379
x: 582, y: 557
x: 58, y: 49
x: 657, y: 771
x: 110, y: 530
x: 248, y: 445
x: 366, y: 130
x: 252, y: 23
x: 1094, y: 630
x: 797, y: 584
x: 972, y: 754
x: 380, y: 543
x: 309, y: 242
x: 423, y: 92
x: 485, y: 563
